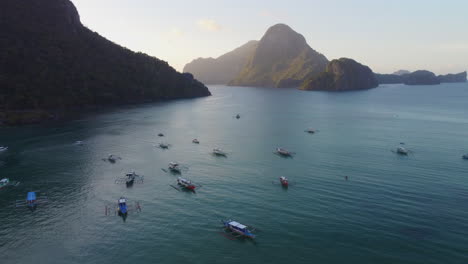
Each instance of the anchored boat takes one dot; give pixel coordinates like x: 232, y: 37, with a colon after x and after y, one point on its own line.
x: 122, y: 210
x: 3, y: 148
x: 4, y: 182
x: 284, y: 152
x: 465, y: 156
x: 310, y: 131
x: 174, y: 167
x: 187, y: 184
x: 195, y: 141
x: 164, y: 145
x: 238, y: 228
x: 402, y: 151
x: 219, y: 152
x: 284, y: 181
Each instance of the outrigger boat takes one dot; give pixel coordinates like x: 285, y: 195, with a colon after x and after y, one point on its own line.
x: 310, y: 131
x: 195, y: 141
x: 123, y: 208
x: 284, y: 152
x: 32, y: 200
x: 237, y: 229
x: 284, y: 181
x: 4, y: 182
x: 164, y: 145
x: 402, y: 151
x: 160, y: 135
x: 130, y: 178
x: 112, y: 158
x: 187, y: 184
x: 465, y: 156
x: 3, y: 148
x: 174, y: 167
x: 219, y: 152
x: 79, y: 143
x: 237, y: 116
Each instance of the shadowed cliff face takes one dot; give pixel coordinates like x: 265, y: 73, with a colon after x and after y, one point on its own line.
x: 342, y: 75
x: 224, y: 68
x: 282, y: 59
x: 49, y: 60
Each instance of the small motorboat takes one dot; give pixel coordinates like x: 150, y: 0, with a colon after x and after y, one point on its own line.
x: 187, y: 184
x: 238, y: 228
x: 310, y: 131
x: 237, y: 116
x: 111, y: 158
x: 130, y: 178
x: 219, y: 152
x: 32, y: 200
x: 284, y: 181
x: 4, y: 182
x: 3, y: 148
x: 465, y: 156
x: 402, y: 151
x: 122, y: 210
x: 160, y: 135
x: 284, y: 152
x: 195, y: 141
x: 164, y: 145
x: 174, y: 167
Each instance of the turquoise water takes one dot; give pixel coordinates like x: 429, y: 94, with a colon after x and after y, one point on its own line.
x: 393, y: 209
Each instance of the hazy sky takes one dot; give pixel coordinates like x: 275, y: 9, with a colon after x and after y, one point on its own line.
x: 386, y: 35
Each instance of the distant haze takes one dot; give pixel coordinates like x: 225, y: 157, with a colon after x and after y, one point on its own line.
x: 385, y: 35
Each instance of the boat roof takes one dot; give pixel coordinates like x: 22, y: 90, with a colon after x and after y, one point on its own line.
x: 238, y: 225
x: 173, y: 163
x: 31, y: 196
x: 122, y: 200
x: 4, y: 180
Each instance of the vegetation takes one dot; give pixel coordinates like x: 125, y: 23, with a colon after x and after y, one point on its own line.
x: 49, y: 60
x: 282, y: 59
x: 342, y: 75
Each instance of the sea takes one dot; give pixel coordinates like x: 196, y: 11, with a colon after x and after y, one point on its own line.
x: 351, y: 199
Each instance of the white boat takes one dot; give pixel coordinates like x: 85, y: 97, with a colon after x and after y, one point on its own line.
x: 401, y: 150
x: 238, y: 228
x: 2, y: 148
x: 174, y: 167
x: 219, y: 152
x: 111, y: 158
x: 4, y: 182
x: 195, y: 141
x: 283, y: 152
x: 186, y: 183
x: 79, y: 142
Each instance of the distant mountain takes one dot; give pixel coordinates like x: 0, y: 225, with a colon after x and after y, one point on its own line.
x: 281, y: 59
x: 51, y: 63
x: 224, y: 68
x: 453, y: 78
x: 342, y: 75
x: 421, y: 77
x: 401, y: 72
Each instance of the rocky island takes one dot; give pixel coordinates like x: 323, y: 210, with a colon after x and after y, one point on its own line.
x: 282, y: 59
x: 342, y: 75
x: 51, y: 64
x: 421, y: 77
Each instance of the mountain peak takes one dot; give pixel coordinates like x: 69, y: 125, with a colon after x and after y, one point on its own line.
x: 282, y: 59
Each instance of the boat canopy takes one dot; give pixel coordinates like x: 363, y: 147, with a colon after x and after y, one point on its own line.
x: 4, y: 180
x: 122, y: 200
x: 31, y: 196
x: 237, y: 225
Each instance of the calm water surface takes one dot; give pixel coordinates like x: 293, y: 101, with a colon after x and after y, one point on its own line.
x: 393, y: 209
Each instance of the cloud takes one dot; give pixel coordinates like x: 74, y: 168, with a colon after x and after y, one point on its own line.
x: 209, y: 25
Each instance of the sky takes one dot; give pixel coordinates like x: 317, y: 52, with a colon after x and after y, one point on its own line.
x: 385, y: 35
